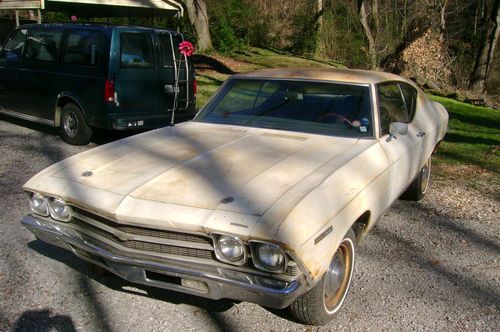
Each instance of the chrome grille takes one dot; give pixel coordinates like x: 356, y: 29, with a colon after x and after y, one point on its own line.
x: 183, y: 247
x: 154, y: 240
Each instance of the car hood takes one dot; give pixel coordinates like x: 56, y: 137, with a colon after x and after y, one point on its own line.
x: 194, y: 175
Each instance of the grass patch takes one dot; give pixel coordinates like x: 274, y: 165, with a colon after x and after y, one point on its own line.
x: 473, y: 136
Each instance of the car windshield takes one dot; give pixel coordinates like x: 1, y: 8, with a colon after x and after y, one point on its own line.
x: 335, y: 109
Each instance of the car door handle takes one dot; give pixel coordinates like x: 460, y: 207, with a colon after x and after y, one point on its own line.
x: 421, y: 134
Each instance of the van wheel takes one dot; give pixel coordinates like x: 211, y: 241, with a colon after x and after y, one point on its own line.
x: 74, y: 128
x: 417, y: 189
x: 319, y: 305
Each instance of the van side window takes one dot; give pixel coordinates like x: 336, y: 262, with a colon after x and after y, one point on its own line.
x: 82, y: 47
x: 391, y: 105
x: 166, y: 50
x: 136, y: 50
x: 43, y: 45
x: 15, y: 45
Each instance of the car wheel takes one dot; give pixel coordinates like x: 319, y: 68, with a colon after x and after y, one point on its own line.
x: 319, y: 305
x: 74, y: 128
x: 417, y: 189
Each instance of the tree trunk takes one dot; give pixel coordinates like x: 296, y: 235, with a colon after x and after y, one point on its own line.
x: 363, y: 17
x: 198, y: 17
x: 318, y: 51
x: 442, y: 26
x: 484, y: 58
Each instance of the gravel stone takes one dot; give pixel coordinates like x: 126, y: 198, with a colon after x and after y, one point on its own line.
x: 426, y: 266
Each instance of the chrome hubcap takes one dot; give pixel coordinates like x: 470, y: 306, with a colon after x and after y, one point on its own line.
x: 338, y: 276
x: 70, y: 124
x: 426, y: 175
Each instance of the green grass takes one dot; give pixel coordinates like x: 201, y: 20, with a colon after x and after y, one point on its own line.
x: 254, y: 58
x: 473, y: 136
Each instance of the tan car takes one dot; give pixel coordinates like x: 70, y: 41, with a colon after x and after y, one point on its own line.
x: 261, y: 198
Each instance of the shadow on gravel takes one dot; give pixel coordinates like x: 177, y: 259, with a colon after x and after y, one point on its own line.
x: 414, y: 254
x: 43, y: 321
x: 211, y: 308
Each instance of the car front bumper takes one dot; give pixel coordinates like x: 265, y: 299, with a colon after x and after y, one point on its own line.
x: 195, y: 279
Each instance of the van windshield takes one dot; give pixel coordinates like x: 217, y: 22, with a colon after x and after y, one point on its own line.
x: 335, y: 109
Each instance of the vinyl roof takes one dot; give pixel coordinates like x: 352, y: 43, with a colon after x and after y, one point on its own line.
x: 325, y: 74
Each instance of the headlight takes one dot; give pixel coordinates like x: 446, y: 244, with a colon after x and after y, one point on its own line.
x: 38, y: 204
x: 267, y: 256
x: 229, y: 249
x: 58, y: 209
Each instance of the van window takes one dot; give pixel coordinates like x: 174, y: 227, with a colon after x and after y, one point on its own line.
x: 136, y: 50
x: 167, y: 57
x: 43, y: 45
x: 82, y: 47
x: 15, y: 45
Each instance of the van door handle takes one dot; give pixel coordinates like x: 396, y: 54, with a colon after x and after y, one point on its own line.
x: 169, y: 88
x: 421, y: 134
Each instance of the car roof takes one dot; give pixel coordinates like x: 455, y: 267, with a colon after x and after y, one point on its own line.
x: 356, y: 76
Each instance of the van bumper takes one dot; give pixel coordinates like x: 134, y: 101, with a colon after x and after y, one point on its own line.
x: 196, y: 279
x: 144, y: 121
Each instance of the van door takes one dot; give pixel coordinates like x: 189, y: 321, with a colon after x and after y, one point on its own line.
x: 10, y: 64
x: 135, y: 76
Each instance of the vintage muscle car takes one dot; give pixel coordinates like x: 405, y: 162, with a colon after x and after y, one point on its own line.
x: 263, y: 197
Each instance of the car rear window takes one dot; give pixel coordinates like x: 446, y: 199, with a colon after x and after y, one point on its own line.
x: 136, y: 50
x: 82, y: 47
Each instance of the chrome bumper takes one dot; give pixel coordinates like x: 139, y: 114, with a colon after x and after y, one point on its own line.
x: 216, y: 282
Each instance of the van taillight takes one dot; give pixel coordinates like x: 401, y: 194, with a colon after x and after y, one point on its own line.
x: 109, y: 91
x: 195, y: 87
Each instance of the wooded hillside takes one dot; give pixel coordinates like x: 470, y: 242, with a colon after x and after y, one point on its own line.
x: 445, y: 45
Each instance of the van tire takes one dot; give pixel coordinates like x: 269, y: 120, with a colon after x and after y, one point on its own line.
x: 74, y: 129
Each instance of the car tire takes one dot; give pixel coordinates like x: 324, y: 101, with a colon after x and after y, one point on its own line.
x: 319, y: 305
x: 419, y: 186
x: 73, y: 126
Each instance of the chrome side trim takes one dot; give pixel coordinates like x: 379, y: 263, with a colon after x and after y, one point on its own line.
x: 27, y: 117
x: 221, y: 282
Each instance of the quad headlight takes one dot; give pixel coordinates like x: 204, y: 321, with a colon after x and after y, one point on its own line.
x: 268, y: 256
x: 58, y: 209
x: 38, y: 204
x: 229, y: 249
x: 46, y: 205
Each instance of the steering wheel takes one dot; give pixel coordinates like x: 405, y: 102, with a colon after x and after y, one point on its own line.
x: 344, y: 120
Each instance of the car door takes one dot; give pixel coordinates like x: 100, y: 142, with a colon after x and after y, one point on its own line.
x: 136, y: 79
x: 403, y: 151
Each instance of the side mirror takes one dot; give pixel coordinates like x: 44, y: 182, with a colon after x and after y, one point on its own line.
x: 397, y: 128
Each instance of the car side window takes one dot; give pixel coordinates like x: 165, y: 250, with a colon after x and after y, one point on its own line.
x: 15, y: 45
x: 43, y: 45
x: 410, y: 98
x: 82, y: 47
x: 136, y: 50
x: 391, y: 105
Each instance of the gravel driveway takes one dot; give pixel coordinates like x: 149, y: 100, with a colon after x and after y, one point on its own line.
x: 432, y: 265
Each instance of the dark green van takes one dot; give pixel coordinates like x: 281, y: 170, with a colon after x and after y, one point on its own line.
x: 81, y: 76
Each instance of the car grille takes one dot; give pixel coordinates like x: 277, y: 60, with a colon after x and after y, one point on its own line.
x: 174, y: 243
